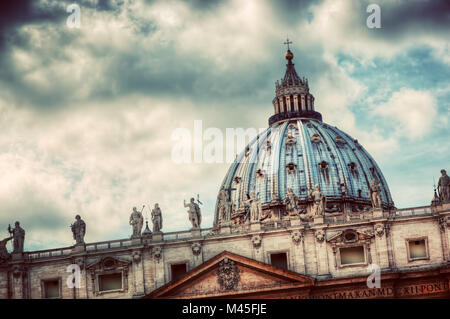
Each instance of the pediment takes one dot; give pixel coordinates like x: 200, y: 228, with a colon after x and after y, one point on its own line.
x: 108, y: 263
x: 228, y: 274
x: 349, y: 236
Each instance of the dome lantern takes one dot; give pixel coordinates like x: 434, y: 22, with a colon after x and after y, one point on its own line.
x: 292, y: 97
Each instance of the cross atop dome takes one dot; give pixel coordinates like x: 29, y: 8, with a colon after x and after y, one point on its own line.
x: 289, y: 54
x: 288, y: 42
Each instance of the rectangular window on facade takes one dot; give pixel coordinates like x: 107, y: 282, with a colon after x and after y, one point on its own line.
x: 178, y: 270
x: 51, y: 289
x: 417, y: 249
x: 109, y: 282
x: 279, y: 260
x: 352, y: 255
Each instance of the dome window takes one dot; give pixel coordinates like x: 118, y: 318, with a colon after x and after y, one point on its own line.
x: 237, y: 179
x: 290, y: 141
x: 323, y: 166
x: 340, y: 141
x: 259, y: 173
x: 353, y: 169
x: 316, y: 138
x: 291, y: 168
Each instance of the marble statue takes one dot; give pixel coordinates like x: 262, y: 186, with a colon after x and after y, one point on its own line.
x: 254, y: 203
x: 318, y: 201
x: 136, y: 221
x: 291, y: 203
x: 444, y: 186
x: 78, y: 230
x: 195, y: 215
x: 375, y: 193
x: 4, y: 255
x: 224, y: 204
x: 18, y: 234
x: 157, y: 219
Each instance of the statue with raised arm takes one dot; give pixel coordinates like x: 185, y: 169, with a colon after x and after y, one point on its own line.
x: 157, y: 219
x: 4, y: 255
x: 136, y: 221
x: 318, y: 201
x: 444, y: 186
x: 375, y: 193
x: 78, y: 230
x: 18, y: 235
x: 195, y: 215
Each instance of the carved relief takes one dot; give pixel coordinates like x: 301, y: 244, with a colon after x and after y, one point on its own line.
x: 256, y: 241
x: 157, y: 251
x: 379, y: 229
x: 320, y: 235
x: 196, y: 248
x: 228, y: 274
x: 136, y: 255
x: 297, y: 236
x: 443, y: 222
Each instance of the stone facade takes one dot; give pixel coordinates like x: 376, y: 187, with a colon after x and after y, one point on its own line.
x: 311, y: 250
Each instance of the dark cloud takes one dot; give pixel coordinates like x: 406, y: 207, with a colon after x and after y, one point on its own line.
x: 293, y: 11
x: 426, y: 14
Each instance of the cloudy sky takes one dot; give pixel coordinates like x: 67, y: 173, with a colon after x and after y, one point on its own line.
x: 87, y: 114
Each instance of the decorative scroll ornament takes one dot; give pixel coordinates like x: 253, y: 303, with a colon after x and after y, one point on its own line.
x: 157, y: 252
x: 320, y: 235
x: 136, y: 256
x: 256, y: 240
x: 228, y: 274
x: 297, y: 236
x: 196, y: 248
x: 379, y: 229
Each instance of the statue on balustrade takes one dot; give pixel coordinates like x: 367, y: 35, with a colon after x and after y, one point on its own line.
x: 291, y: 202
x: 137, y: 221
x: 78, y: 230
x: 375, y: 193
x: 157, y: 219
x: 254, y: 203
x: 444, y: 186
x: 195, y: 216
x: 18, y: 234
x: 4, y: 255
x: 318, y: 201
x: 225, y: 205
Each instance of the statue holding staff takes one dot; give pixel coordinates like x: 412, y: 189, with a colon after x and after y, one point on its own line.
x: 18, y: 234
x: 195, y: 216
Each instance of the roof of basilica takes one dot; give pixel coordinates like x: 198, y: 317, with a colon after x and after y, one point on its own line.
x: 299, y: 151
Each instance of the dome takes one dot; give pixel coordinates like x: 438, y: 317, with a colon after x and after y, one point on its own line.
x: 297, y: 152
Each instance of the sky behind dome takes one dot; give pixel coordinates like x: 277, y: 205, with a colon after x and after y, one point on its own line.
x: 87, y: 114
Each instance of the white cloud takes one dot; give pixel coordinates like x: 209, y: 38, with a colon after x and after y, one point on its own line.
x: 413, y: 112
